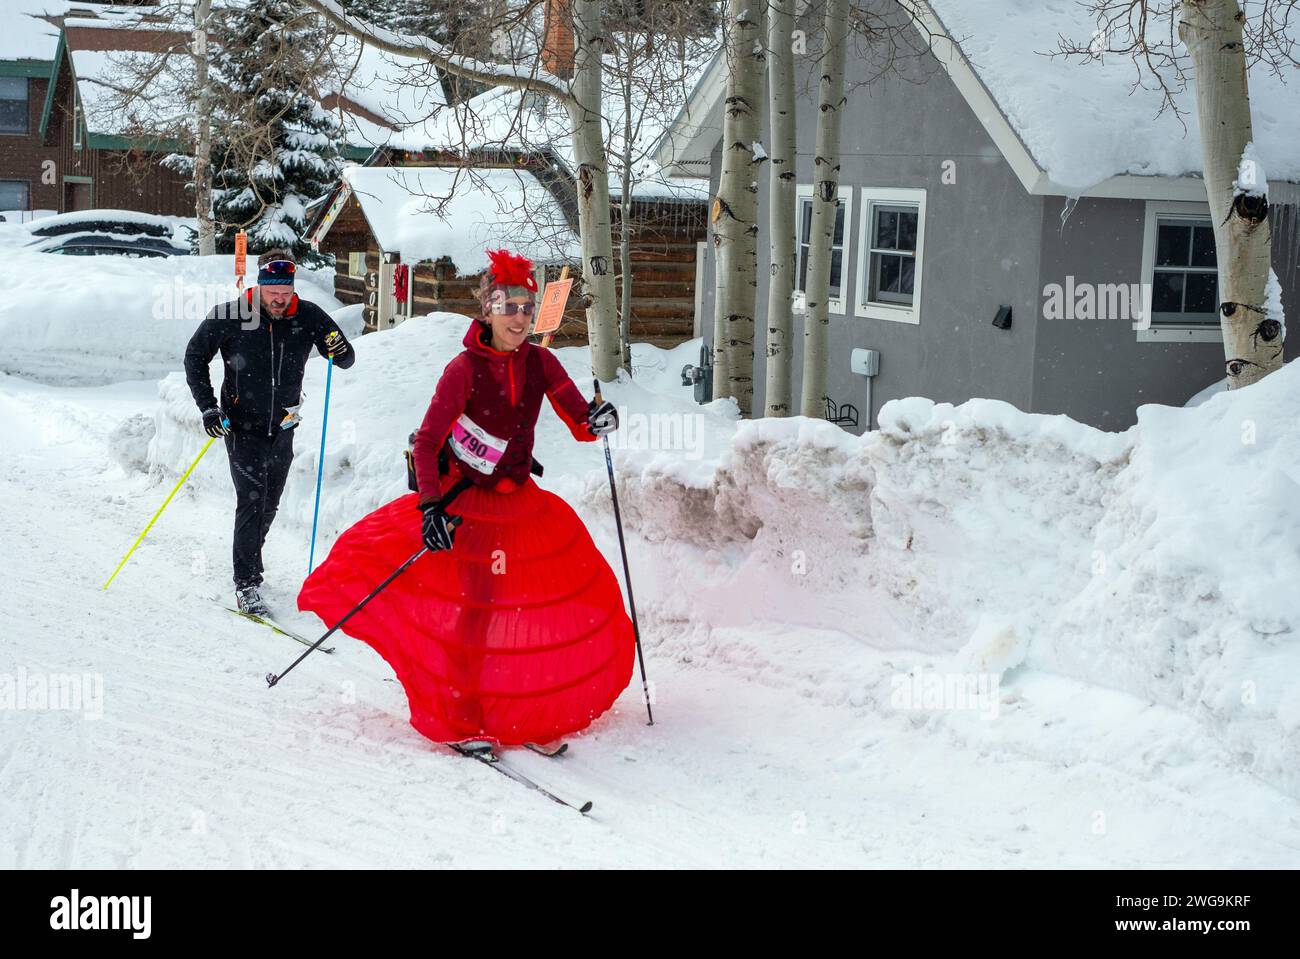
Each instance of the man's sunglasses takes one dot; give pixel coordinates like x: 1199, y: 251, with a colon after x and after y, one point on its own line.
x: 279, y: 267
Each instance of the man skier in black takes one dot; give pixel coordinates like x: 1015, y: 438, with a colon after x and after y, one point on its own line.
x: 265, y: 338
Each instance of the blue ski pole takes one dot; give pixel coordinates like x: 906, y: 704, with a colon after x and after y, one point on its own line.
x: 320, y: 467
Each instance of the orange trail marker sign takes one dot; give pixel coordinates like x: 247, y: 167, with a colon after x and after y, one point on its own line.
x: 551, y: 312
x: 241, y: 258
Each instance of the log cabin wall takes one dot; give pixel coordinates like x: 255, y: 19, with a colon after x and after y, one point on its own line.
x: 663, y: 273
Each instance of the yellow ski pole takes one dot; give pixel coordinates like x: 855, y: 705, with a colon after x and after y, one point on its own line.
x: 141, y: 537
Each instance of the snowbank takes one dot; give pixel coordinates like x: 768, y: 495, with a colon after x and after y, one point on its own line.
x: 1157, y: 562
x: 101, y: 319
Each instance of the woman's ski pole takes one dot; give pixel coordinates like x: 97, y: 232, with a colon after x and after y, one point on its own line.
x: 627, y: 575
x: 179, y: 482
x: 320, y: 468
x: 272, y: 678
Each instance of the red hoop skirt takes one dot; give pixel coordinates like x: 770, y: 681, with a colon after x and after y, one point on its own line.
x: 517, y: 634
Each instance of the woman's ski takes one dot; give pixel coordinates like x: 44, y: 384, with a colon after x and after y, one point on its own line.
x: 489, y: 758
x: 263, y: 621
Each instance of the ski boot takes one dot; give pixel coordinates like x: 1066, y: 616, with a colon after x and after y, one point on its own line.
x: 250, y: 601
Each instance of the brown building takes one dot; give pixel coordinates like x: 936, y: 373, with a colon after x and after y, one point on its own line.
x: 55, y: 154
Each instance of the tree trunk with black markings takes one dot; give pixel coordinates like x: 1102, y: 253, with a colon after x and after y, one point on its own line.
x: 734, y: 214
x: 1251, y: 319
x: 593, y: 190
x: 826, y: 188
x: 783, y: 201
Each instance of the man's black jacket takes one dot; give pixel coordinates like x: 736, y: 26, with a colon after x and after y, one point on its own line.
x: 264, y: 360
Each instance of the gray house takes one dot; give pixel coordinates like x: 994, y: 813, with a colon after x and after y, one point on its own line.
x: 1014, y: 225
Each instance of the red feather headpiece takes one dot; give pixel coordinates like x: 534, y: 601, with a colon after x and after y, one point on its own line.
x: 511, y: 269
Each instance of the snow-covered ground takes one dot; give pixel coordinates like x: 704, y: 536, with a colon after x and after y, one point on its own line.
x: 974, y: 637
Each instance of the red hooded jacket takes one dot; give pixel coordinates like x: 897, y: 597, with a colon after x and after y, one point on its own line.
x: 484, y: 410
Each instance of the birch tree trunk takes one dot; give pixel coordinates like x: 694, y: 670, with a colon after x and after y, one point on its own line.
x: 625, y: 227
x: 593, y: 190
x: 826, y: 188
x: 782, y: 203
x: 203, y: 140
x: 734, y: 214
x: 1237, y: 190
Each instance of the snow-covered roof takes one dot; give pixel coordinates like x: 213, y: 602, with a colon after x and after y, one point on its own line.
x: 24, y: 35
x: 507, y: 119
x: 1066, y: 127
x: 1083, y: 123
x: 98, y: 71
x: 395, y: 91
x: 430, y: 212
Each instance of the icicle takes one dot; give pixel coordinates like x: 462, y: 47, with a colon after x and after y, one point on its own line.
x: 1070, y: 203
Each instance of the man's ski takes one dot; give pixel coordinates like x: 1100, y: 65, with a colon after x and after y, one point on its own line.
x: 550, y: 753
x: 489, y: 758
x: 263, y: 621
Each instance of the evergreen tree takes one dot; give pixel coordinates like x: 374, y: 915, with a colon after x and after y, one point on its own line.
x: 277, y: 149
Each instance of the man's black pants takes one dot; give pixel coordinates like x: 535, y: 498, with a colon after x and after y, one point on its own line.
x: 259, y: 465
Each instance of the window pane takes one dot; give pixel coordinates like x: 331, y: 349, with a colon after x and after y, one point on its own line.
x: 837, y: 260
x: 805, y: 220
x: 803, y: 268
x: 13, y: 116
x: 908, y: 277
x: 889, y: 273
x: 907, y: 230
x: 1174, y: 245
x: 1202, y: 293
x: 1167, y: 293
x: 839, y: 224
x: 1203, y: 246
x: 886, y: 230
x: 13, y: 195
x: 13, y: 105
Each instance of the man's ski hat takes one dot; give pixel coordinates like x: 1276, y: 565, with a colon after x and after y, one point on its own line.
x: 276, y: 268
x: 508, y: 271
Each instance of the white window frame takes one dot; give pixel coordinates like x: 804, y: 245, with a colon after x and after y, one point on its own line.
x: 888, y: 196
x: 1155, y: 209
x: 76, y: 120
x: 846, y: 199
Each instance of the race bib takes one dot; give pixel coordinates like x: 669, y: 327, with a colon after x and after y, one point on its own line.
x: 475, y: 446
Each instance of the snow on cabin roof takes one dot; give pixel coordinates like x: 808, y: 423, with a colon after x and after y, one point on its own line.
x: 97, y: 71
x: 426, y: 213
x: 24, y: 35
x: 507, y: 119
x: 397, y: 90
x: 1083, y: 123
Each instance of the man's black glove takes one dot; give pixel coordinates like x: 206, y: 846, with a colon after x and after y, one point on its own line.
x: 215, y: 422
x: 602, y: 418
x: 335, y: 345
x: 438, y: 528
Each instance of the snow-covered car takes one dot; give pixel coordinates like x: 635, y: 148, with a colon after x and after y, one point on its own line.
x: 103, y: 244
x: 112, y: 233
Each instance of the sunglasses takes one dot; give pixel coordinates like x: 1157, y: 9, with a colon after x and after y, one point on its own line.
x: 510, y: 309
x: 279, y: 267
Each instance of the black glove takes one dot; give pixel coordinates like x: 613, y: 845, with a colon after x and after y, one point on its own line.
x: 438, y: 528
x: 603, y: 418
x: 215, y: 422
x: 335, y: 345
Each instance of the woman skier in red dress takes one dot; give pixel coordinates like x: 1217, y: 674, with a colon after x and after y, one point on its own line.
x: 512, y: 629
